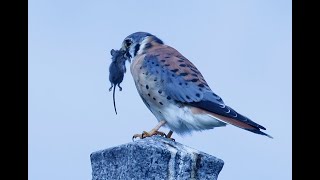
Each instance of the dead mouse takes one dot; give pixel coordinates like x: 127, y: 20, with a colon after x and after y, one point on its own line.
x: 117, y: 69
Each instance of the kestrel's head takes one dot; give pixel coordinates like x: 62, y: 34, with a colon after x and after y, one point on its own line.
x: 137, y: 43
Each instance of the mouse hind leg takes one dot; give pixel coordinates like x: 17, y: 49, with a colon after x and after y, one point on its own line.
x: 120, y: 88
x: 111, y: 87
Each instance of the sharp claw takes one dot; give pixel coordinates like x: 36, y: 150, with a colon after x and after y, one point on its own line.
x: 136, y: 136
x: 160, y: 133
x: 143, y: 135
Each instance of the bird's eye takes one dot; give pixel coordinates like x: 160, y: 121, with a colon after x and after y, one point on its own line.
x: 128, y: 42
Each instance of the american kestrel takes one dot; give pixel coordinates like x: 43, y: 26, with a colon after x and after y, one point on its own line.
x: 175, y: 91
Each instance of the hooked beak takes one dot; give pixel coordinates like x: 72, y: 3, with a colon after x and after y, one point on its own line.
x: 126, y: 53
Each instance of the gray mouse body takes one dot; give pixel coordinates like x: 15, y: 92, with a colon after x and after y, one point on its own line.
x: 117, y: 69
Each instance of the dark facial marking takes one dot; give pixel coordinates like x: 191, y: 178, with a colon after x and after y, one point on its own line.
x: 147, y: 46
x: 136, y: 49
x: 128, y: 42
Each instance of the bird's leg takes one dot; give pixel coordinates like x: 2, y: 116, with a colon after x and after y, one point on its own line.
x: 169, y: 135
x: 154, y: 131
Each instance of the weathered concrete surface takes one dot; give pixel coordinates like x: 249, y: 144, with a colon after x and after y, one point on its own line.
x: 154, y: 158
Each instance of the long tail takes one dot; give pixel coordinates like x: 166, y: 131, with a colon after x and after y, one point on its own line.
x: 114, y: 99
x: 240, y: 124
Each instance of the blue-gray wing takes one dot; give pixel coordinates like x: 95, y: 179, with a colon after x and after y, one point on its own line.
x: 183, y: 82
x: 181, y: 79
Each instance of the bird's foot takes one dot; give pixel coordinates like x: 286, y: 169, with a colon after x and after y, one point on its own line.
x: 148, y: 134
x: 172, y: 139
x: 168, y: 136
x: 111, y: 88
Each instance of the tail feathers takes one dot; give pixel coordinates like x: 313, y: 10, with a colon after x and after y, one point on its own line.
x: 257, y: 131
x: 240, y: 124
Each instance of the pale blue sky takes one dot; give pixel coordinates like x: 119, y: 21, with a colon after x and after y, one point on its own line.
x: 242, y: 47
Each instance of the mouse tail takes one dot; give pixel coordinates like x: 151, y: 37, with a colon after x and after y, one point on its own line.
x: 114, y: 99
